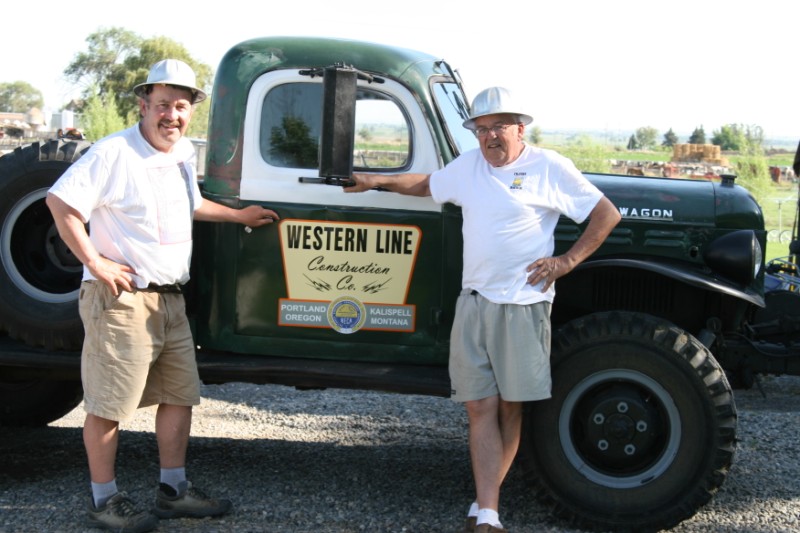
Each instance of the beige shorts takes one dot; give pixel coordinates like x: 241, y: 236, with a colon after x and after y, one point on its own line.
x: 500, y: 349
x: 138, y: 351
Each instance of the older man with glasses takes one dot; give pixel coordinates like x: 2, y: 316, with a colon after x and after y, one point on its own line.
x: 512, y: 195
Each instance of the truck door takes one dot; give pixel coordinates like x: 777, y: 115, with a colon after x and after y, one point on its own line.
x: 341, y: 274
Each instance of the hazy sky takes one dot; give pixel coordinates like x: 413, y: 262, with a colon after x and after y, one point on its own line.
x: 614, y: 65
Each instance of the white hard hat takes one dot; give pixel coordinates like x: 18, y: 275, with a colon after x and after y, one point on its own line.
x: 172, y: 72
x: 494, y: 101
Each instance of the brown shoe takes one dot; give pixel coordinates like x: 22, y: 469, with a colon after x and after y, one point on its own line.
x: 469, y: 525
x: 488, y: 528
x: 187, y: 502
x: 120, y: 514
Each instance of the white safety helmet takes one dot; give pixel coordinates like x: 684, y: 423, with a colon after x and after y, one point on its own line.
x: 493, y: 101
x: 172, y: 72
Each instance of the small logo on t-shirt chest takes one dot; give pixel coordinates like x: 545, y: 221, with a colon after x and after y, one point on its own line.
x: 519, y: 179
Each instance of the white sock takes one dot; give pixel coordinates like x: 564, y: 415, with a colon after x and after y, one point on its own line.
x: 102, y: 492
x: 173, y: 476
x: 489, y: 516
x: 473, y: 509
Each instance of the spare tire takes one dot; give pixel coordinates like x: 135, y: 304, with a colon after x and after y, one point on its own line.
x: 40, y: 277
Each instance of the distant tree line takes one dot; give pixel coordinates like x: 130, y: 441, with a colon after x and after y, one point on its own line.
x: 731, y: 137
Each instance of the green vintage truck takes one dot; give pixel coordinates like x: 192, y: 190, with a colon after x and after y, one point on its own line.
x: 358, y: 290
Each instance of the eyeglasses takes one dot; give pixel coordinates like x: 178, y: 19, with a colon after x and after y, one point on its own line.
x: 497, y: 129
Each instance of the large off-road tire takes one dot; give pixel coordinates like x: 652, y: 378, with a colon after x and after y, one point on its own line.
x: 640, y: 431
x: 40, y: 277
x: 37, y: 402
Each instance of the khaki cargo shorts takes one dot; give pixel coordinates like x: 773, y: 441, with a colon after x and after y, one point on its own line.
x: 499, y: 349
x: 138, y: 351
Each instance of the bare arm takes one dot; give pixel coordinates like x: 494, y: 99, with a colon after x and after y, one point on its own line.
x: 604, y: 217
x: 72, y: 231
x: 410, y: 184
x: 252, y: 216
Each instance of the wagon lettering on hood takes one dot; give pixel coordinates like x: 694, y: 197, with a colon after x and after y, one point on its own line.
x: 648, y: 213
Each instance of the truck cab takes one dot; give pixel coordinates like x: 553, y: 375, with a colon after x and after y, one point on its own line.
x: 341, y: 276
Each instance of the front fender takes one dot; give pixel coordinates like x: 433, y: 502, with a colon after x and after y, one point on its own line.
x: 703, y: 279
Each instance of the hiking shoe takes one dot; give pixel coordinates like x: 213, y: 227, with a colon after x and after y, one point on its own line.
x: 120, y: 515
x: 488, y: 528
x: 187, y: 502
x: 469, y: 525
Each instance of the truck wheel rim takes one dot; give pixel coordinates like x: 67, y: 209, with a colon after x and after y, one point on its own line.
x: 27, y: 240
x: 619, y: 413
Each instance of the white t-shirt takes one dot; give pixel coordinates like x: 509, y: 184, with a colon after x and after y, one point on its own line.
x: 136, y: 201
x: 510, y: 214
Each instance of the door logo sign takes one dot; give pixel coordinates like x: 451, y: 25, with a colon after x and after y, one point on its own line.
x: 348, y: 276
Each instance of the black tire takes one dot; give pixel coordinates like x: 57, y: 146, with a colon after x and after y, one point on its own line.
x: 37, y: 402
x: 640, y: 431
x: 40, y: 277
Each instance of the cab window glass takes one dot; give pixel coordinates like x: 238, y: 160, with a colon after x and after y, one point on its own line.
x: 453, y: 107
x: 290, y: 125
x: 291, y: 122
x: 382, y: 133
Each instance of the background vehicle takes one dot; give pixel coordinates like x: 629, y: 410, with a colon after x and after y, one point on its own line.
x: 358, y: 291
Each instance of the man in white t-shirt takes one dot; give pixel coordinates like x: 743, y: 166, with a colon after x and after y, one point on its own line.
x: 138, y: 191
x: 511, y: 195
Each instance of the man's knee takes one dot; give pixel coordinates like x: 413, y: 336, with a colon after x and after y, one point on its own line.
x: 510, y: 409
x: 482, y: 407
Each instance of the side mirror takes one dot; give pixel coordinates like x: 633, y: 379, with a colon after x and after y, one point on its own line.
x: 338, y: 123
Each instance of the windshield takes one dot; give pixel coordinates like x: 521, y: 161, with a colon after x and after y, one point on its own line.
x: 454, y: 110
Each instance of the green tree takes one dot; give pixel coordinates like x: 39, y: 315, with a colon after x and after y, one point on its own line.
x: 728, y: 137
x: 535, y: 135
x: 107, y: 49
x: 735, y: 137
x: 100, y: 117
x: 646, y: 137
x: 752, y: 170
x: 633, y: 144
x: 19, y: 97
x: 365, y: 133
x: 118, y: 59
x: 293, y: 144
x: 698, y: 136
x: 670, y: 139
x: 754, y: 135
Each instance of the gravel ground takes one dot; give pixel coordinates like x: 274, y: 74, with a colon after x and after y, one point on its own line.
x: 345, y: 462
